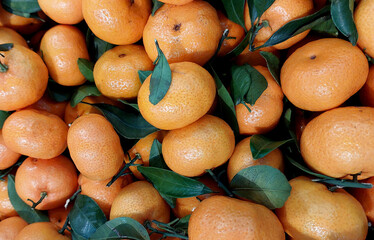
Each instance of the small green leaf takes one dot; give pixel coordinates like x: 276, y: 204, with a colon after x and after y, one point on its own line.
x: 86, y: 216
x: 96, y: 46
x: 257, y: 8
x: 6, y: 46
x: 156, y: 6
x: 326, y: 28
x: 307, y: 170
x: 262, y: 184
x: 86, y: 68
x: 273, y: 64
x: 24, y: 211
x: 121, y: 228
x: 133, y: 105
x: 344, y: 183
x: 3, y: 116
x: 58, y: 92
x: 262, y: 146
x: 173, y: 184
x: 240, y: 83
x: 183, y: 223
x: 160, y: 78
x: 155, y: 157
x: 82, y: 92
x: 143, y: 75
x: 128, y: 124
x: 235, y: 10
x: 342, y: 16
x: 23, y: 6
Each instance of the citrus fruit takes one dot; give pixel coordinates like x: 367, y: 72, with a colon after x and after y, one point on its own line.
x: 10, y: 227
x: 176, y: 2
x: 254, y: 58
x: 366, y: 197
x: 7, y: 156
x: 367, y: 91
x: 41, y: 231
x: 58, y: 216
x: 8, y: 35
x: 63, y: 11
x: 236, y: 34
x: 46, y: 103
x: 364, y: 21
x: 6, y: 207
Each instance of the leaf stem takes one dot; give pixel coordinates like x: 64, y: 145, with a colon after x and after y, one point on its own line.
x: 121, y: 173
x: 72, y: 197
x: 254, y: 31
x: 65, y: 227
x: 35, y: 204
x: 220, y: 184
x: 147, y: 224
x: 355, y: 176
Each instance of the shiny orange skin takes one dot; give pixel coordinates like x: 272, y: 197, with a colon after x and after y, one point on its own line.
x: 7, y: 156
x: 190, y: 96
x: 143, y: 147
x: 140, y: 201
x: 220, y: 218
x: 314, y: 212
x: 46, y: 103
x: 277, y: 15
x: 8, y: 35
x: 176, y: 2
x: 61, y: 47
x: 27, y: 76
x: 116, y: 71
x: 367, y: 91
x: 100, y: 193
x: 339, y: 143
x: 323, y: 74
x: 364, y: 21
x: 366, y: 197
x: 63, y: 12
x: 254, y: 58
x: 205, y: 144
x: 6, y: 208
x: 235, y: 30
x: 41, y: 231
x: 10, y: 227
x: 86, y: 138
x: 185, y: 33
x: 58, y: 216
x: 35, y: 133
x: 56, y: 176
x: 242, y: 158
x: 117, y: 21
x: 267, y: 110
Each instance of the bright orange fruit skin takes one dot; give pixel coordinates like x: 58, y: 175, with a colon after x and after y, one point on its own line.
x: 7, y: 156
x: 6, y: 207
x: 366, y: 197
x: 41, y: 231
x: 8, y: 35
x: 364, y: 20
x: 10, y: 227
x: 235, y: 31
x: 367, y: 91
x: 63, y: 11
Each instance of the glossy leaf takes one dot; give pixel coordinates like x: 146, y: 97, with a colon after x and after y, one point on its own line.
x: 307, y: 170
x: 3, y: 116
x: 156, y: 6
x: 240, y: 83
x: 257, y: 8
x: 6, y: 46
x: 235, y: 10
x: 273, y: 64
x: 86, y: 68
x: 96, y: 46
x: 262, y: 184
x: 182, y: 223
x: 82, y: 92
x: 173, y: 184
x: 121, y: 228
x: 262, y: 146
x: 171, y: 201
x: 24, y: 211
x: 155, y: 157
x: 342, y: 16
x: 86, y: 216
x: 133, y: 105
x: 344, y: 183
x: 58, y: 92
x: 326, y: 28
x: 23, y: 6
x: 143, y: 75
x: 160, y: 78
x: 129, y: 125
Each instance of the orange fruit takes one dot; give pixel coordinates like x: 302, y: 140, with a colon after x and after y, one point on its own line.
x: 57, y: 177
x: 95, y: 147
x: 35, y: 133
x: 277, y: 15
x: 205, y: 144
x: 235, y: 31
x: 116, y: 21
x: 339, y: 143
x: 304, y: 41
x: 220, y: 217
x: 367, y: 91
x: 10, y: 227
x: 6, y: 208
x: 323, y: 74
x: 143, y: 147
x: 313, y: 212
x: 100, y: 193
x: 116, y: 71
x: 35, y: 40
x: 58, y: 216
x: 364, y: 21
x: 185, y: 206
x: 190, y: 96
x: 41, y: 231
x: 46, y: 103
x: 176, y: 2
x: 366, y: 197
x: 61, y: 47
x: 27, y: 76
x: 267, y: 110
x: 254, y: 58
x: 318, y: 4
x: 7, y: 156
x: 242, y: 158
x: 185, y: 33
x: 8, y: 35
x: 140, y: 201
x: 63, y: 12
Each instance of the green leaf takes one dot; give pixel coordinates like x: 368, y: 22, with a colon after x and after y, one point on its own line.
x: 128, y: 124
x: 58, y: 92
x: 133, y: 105
x: 235, y: 10
x: 76, y: 236
x: 143, y: 75
x: 160, y: 78
x: 262, y: 146
x: 273, y: 64
x: 241, y: 46
x: 24, y: 211
x: 307, y: 170
x: 240, y: 83
x: 173, y: 184
x: 326, y: 28
x: 155, y: 157
x: 121, y: 228
x: 342, y: 16
x: 171, y: 201
x: 183, y: 223
x: 82, y: 92
x: 23, y: 6
x: 5, y: 172
x: 262, y: 184
x: 344, y: 183
x: 156, y: 6
x: 3, y: 116
x: 257, y: 8
x: 6, y: 46
x: 86, y: 68
x: 96, y: 46
x: 86, y: 216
